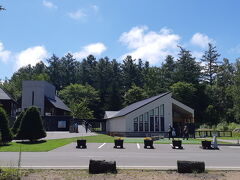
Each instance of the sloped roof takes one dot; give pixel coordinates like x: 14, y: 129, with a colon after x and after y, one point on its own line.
x: 137, y: 105
x: 4, y: 95
x: 57, y: 102
x: 110, y: 114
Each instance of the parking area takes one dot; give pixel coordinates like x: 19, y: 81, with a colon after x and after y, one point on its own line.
x: 132, y: 156
x: 139, y: 147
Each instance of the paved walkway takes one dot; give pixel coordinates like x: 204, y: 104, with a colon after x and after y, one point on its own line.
x: 66, y: 134
x: 234, y: 141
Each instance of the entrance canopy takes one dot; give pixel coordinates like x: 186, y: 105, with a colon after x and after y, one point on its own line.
x: 182, y: 113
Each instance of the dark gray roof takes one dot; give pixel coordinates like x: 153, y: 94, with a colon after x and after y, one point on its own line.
x: 4, y: 95
x: 57, y: 102
x: 137, y: 105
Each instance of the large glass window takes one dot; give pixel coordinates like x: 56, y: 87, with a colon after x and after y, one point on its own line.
x: 151, y: 120
x: 146, y: 121
x: 135, y: 124
x: 157, y: 119
x: 162, y: 117
x: 141, y: 123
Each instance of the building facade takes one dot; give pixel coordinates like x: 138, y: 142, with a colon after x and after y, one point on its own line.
x: 42, y: 95
x: 151, y: 116
x: 8, y: 103
x: 56, y: 115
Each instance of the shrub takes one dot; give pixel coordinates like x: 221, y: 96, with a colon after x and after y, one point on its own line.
x: 31, y: 127
x: 232, y: 126
x: 17, y: 123
x: 204, y: 127
x: 6, y: 135
x: 223, y: 126
x: 9, y: 174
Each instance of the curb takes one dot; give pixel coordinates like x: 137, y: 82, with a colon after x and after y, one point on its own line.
x: 215, y: 168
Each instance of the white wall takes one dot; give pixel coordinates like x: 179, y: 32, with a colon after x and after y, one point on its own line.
x: 116, y: 124
x: 166, y: 100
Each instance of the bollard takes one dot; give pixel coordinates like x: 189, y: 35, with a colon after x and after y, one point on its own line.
x: 214, y: 143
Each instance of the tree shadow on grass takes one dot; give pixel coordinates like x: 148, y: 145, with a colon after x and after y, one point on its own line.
x: 32, y: 142
x: 3, y: 145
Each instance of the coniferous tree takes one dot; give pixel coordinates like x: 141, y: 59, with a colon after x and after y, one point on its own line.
x: 55, y: 71
x: 224, y: 84
x: 168, y: 69
x: 115, y: 99
x: 131, y: 73
x: 236, y: 92
x: 210, y: 62
x: 17, y: 123
x: 187, y: 69
x: 6, y: 135
x: 154, y: 81
x: 69, y: 75
x: 87, y: 71
x: 31, y: 127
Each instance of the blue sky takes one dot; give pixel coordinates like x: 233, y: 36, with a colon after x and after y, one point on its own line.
x: 149, y: 29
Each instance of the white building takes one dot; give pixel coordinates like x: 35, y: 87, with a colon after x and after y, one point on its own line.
x: 149, y: 116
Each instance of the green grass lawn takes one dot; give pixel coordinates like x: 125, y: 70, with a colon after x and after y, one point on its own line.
x: 43, y: 146
x: 230, y: 138
x: 52, y: 144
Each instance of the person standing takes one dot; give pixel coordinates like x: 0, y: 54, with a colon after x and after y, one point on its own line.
x: 170, y: 130
x: 76, y: 127
x: 86, y: 127
x: 185, y: 132
x: 173, y: 133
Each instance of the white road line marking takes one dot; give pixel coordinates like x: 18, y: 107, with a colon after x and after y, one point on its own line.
x: 234, y: 147
x: 101, y: 145
x: 138, y: 146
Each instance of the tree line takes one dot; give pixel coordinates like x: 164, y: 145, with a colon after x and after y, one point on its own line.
x: 90, y: 87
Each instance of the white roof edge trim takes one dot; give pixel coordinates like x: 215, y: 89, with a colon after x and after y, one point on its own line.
x: 187, y: 108
x: 110, y: 114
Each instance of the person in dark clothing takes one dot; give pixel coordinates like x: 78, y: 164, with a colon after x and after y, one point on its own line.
x: 86, y: 126
x: 185, y: 132
x: 170, y: 130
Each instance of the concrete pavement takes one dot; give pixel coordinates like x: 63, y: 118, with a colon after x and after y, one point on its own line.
x: 132, y: 156
x: 66, y: 134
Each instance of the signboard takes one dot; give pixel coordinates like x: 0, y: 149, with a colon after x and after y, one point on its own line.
x: 62, y: 124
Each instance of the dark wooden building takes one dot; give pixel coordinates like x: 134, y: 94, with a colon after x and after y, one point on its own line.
x: 8, y: 103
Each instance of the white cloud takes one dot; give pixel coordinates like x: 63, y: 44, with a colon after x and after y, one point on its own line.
x: 201, y: 40
x: 31, y: 56
x: 4, y: 54
x: 150, y: 45
x: 197, y: 54
x: 95, y: 8
x: 93, y: 49
x: 77, y: 15
x: 49, y: 4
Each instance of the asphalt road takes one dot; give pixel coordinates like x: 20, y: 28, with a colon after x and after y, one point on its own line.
x: 132, y: 156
